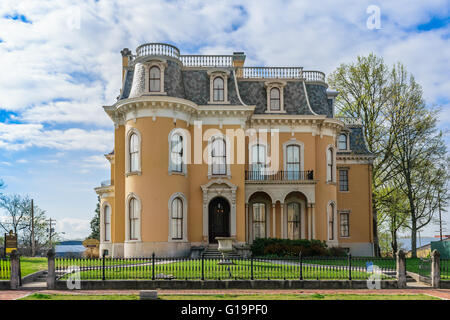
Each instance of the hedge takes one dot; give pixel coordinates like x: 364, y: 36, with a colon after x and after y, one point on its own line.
x: 287, y: 247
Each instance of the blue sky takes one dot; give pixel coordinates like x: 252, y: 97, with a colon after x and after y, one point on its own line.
x: 61, y: 63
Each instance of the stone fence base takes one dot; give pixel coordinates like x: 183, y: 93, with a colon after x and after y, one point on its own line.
x: 224, y: 284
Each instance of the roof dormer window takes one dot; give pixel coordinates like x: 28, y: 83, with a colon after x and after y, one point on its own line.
x: 155, y: 76
x: 218, y: 93
x: 155, y: 79
x: 343, y: 143
x: 275, y: 101
x: 218, y: 88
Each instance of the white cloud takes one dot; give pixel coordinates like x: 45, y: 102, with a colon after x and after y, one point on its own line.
x: 74, y: 228
x: 21, y: 136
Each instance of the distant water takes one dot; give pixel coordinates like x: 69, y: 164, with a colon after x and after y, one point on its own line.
x: 406, y: 242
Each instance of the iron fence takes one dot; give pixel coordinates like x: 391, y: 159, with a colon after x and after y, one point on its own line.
x: 160, y: 268
x: 424, y: 267
x: 5, y: 269
x: 445, y: 269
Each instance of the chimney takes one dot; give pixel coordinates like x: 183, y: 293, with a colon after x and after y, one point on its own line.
x: 238, y: 62
x: 126, y: 57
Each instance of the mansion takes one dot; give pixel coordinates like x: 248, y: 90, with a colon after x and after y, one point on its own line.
x: 207, y: 147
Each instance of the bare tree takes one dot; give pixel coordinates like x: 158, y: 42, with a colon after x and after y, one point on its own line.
x: 15, y: 208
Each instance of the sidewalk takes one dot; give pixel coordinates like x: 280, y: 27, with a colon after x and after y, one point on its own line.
x: 440, y: 293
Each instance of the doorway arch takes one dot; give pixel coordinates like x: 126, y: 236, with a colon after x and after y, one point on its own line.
x: 218, y: 219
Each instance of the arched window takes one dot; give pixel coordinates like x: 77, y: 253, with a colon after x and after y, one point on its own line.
x: 176, y: 153
x: 218, y: 85
x: 342, y: 142
x: 218, y: 156
x: 330, y: 165
x: 274, y: 99
x: 293, y: 223
x: 177, y: 219
x: 133, y: 216
x: 331, y: 221
x: 155, y: 79
x: 258, y: 161
x: 107, y: 222
x: 134, y: 152
x: 293, y: 162
x: 259, y: 220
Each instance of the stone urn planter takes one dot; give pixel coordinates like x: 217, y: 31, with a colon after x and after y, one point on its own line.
x: 225, y: 246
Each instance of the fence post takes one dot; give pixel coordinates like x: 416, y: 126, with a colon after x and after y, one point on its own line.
x: 15, y: 269
x: 103, y: 266
x: 203, y: 266
x: 301, y: 265
x: 153, y: 266
x: 51, y: 274
x: 349, y: 266
x: 435, y: 269
x: 401, y: 269
x: 251, y: 267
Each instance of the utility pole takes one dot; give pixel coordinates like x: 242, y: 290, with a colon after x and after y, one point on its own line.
x: 33, y: 243
x: 50, y: 230
x: 440, y: 216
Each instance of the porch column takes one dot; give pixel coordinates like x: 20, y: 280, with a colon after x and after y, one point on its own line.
x: 308, y: 212
x: 246, y: 223
x: 313, y: 214
x: 274, y: 225
x: 282, y: 220
x: 205, y: 217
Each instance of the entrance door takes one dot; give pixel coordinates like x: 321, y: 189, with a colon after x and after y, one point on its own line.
x: 219, y: 219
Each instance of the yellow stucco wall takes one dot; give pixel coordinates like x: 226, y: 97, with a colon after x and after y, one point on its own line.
x: 154, y: 185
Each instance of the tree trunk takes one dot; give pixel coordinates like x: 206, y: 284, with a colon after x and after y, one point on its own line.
x: 413, y: 239
x: 376, y: 245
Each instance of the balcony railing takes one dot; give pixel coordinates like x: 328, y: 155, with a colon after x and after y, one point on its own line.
x: 350, y: 120
x: 206, y: 61
x: 157, y: 49
x: 272, y: 72
x: 106, y: 183
x: 314, y: 76
x: 258, y: 175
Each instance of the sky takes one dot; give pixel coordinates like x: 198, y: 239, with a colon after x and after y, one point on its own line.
x: 61, y: 62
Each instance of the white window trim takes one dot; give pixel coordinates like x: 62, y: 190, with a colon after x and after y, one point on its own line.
x: 161, y: 64
x: 102, y: 222
x: 269, y: 85
x: 128, y: 172
x: 224, y: 74
x: 228, y: 157
x: 295, y: 142
x: 348, y: 142
x: 127, y: 217
x: 339, y: 213
x: 185, y: 217
x: 335, y: 225
x: 333, y: 168
x: 186, y: 150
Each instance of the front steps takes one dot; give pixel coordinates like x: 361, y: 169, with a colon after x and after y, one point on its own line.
x: 211, y: 252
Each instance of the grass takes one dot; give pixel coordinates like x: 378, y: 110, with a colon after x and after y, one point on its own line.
x: 31, y: 265
x: 315, y: 296
x: 192, y: 269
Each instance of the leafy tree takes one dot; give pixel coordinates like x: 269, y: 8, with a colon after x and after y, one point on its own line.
x: 365, y: 92
x: 95, y: 223
x: 15, y: 208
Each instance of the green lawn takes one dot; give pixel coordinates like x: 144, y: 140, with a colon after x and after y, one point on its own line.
x: 316, y: 296
x: 31, y: 265
x: 192, y: 269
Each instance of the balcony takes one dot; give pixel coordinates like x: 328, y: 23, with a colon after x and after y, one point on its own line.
x: 207, y: 61
x: 279, y: 176
x: 157, y: 49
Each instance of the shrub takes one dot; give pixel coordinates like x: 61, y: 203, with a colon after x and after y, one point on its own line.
x: 286, y: 247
